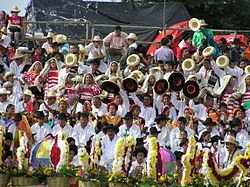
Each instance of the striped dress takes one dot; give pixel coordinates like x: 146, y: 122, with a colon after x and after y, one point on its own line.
x: 88, y: 91
x: 232, y: 103
x: 245, y: 96
x: 52, y: 80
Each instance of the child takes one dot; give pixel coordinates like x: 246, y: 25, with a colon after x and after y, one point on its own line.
x: 139, y: 165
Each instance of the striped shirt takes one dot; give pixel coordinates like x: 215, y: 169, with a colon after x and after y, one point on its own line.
x: 245, y: 96
x: 52, y: 80
x: 88, y: 91
x: 232, y: 103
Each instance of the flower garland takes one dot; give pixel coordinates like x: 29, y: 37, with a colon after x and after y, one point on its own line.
x: 152, y: 157
x: 186, y: 161
x: 243, y: 161
x: 84, y: 159
x: 22, y: 151
x: 64, y: 148
x: 123, y: 154
x: 96, y: 151
x: 1, y: 143
x: 213, y: 173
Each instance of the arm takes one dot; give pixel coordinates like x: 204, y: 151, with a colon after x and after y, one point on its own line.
x: 125, y: 100
x: 136, y: 99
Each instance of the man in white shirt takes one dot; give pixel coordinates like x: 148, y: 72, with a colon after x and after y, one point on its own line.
x: 18, y: 63
x: 48, y: 44
x: 147, y: 111
x: 13, y: 97
x: 108, y: 147
x: 4, y: 101
x: 98, y: 107
x: 175, y: 133
x: 164, y: 135
x: 128, y: 128
x: 24, y: 106
x: 40, y: 129
x: 62, y: 125
x: 83, y: 130
x: 209, y: 126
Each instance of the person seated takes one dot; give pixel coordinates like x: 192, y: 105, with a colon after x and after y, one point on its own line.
x: 139, y: 164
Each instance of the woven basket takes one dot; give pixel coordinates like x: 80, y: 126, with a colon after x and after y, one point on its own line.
x: 117, y: 185
x: 88, y: 184
x: 58, y: 181
x: 23, y: 181
x: 4, y: 180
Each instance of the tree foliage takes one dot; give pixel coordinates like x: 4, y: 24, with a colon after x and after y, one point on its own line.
x: 220, y: 14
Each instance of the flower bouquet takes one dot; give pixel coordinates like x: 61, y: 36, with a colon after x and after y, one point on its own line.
x: 118, y: 180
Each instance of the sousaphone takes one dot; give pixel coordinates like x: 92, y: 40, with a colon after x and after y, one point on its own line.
x: 161, y: 86
x: 176, y: 81
x: 194, y: 24
x: 191, y: 89
x: 130, y: 84
x: 111, y: 85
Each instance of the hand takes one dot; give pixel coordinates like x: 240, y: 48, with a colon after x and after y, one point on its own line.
x: 40, y: 101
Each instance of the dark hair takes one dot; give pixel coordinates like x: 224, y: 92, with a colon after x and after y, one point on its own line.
x: 232, y: 132
x: 8, y: 136
x: 83, y: 115
x: 170, y: 63
x: 164, y: 41
x: 73, y: 148
x: 70, y: 139
x: 222, y: 104
x: 182, y: 119
x: 170, y: 37
x: 205, y: 133
x: 223, y: 40
x: 18, y: 117
x: 118, y: 27
x: 8, y: 106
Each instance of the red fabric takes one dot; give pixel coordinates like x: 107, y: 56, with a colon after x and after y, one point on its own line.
x: 16, y: 20
x: 230, y: 39
x: 55, y: 153
x: 175, y: 33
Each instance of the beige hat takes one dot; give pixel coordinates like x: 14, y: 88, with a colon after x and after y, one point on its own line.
x: 188, y: 65
x: 18, y: 54
x: 133, y: 60
x: 194, y: 24
x: 132, y: 36
x: 203, y: 23
x: 15, y: 9
x: 28, y: 92
x: 226, y: 79
x: 71, y: 60
x: 222, y: 61
x: 83, y: 50
x: 60, y: 38
x: 3, y: 91
x: 51, y: 94
x: 247, y: 69
x: 231, y: 139
x: 7, y: 74
x: 208, y: 51
x: 8, y: 84
x: 50, y: 35
x: 97, y: 39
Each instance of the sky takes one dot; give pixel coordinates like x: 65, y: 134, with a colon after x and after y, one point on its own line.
x: 22, y: 4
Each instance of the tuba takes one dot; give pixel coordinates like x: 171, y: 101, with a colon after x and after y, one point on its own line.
x: 191, y: 89
x: 222, y: 61
x: 110, y: 85
x: 130, y: 84
x: 70, y: 60
x: 188, y: 65
x: 176, y: 81
x: 161, y: 86
x: 194, y: 24
x: 247, y: 69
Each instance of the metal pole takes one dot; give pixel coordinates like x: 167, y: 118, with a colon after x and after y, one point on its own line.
x: 93, y: 32
x: 87, y: 31
x: 164, y: 18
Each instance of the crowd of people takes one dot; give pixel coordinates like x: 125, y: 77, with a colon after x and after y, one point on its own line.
x: 58, y: 86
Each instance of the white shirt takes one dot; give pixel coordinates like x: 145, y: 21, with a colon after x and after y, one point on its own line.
x: 135, y: 164
x: 83, y: 69
x: 47, y: 47
x: 148, y: 113
x: 124, y: 107
x: 79, y: 108
x: 82, y: 135
x: 14, y: 98
x: 14, y: 68
x: 133, y: 131
x: 243, y: 138
x: 4, y: 105
x: 12, y: 129
x: 99, y: 111
x: 20, y: 107
x: 164, y: 136
x: 67, y: 128
x: 40, y: 131
x: 94, y: 52
x: 175, y: 134
x: 46, y: 111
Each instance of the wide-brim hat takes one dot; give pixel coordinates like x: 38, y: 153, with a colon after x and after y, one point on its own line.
x: 15, y: 9
x: 133, y: 60
x: 128, y: 116
x: 231, y: 139
x: 188, y: 65
x: 7, y: 74
x: 224, y: 83
x: 97, y: 39
x: 153, y: 130
x: 50, y: 35
x: 8, y: 84
x: 28, y: 92
x: 247, y: 69
x: 3, y: 91
x: 132, y: 36
x: 110, y: 86
x: 161, y: 86
x: 111, y: 126
x: 176, y: 81
x: 208, y: 51
x: 191, y: 89
x: 194, y: 24
x: 216, y: 138
x: 60, y: 38
x: 209, y: 122
x: 83, y: 50
x: 18, y: 54
x: 70, y: 60
x: 140, y: 150
x: 51, y: 94
x: 222, y: 61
